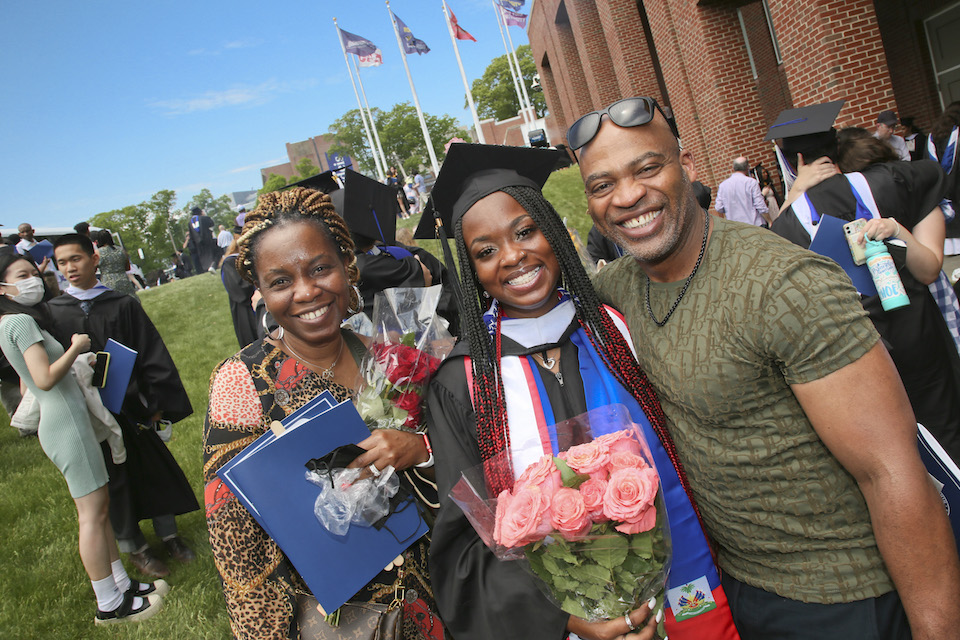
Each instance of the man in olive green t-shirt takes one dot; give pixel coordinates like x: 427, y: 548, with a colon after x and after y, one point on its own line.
x: 788, y: 415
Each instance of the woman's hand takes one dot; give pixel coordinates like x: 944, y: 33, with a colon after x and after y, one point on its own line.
x: 879, y: 229
x: 400, y: 449
x: 617, y: 629
x: 80, y: 342
x: 808, y: 176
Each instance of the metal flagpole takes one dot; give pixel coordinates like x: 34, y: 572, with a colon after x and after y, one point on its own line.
x: 363, y: 116
x: 513, y: 73
x: 463, y: 75
x: 373, y: 125
x: 516, y: 60
x: 416, y: 101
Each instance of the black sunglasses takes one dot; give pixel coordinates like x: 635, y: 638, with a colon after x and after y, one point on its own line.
x: 629, y: 112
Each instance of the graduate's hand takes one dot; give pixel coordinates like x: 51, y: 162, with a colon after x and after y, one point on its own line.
x: 879, y: 229
x: 617, y: 629
x: 80, y: 342
x: 399, y: 449
x: 810, y: 175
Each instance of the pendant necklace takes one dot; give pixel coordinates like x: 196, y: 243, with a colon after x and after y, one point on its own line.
x: 548, y: 364
x: 703, y: 249
x: 325, y: 373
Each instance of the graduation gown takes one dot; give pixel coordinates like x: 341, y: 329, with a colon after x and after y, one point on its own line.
x: 151, y: 483
x: 379, y: 270
x: 240, y: 294
x: 916, y: 335
x: 479, y: 596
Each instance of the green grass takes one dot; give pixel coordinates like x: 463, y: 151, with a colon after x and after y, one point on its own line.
x: 44, y: 592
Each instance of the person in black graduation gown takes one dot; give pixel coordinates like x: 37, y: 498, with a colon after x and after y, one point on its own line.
x: 240, y: 294
x: 907, y: 195
x: 481, y: 597
x: 151, y: 483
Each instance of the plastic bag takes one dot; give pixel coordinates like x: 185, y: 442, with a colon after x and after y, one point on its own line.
x: 346, y: 500
x: 589, y: 523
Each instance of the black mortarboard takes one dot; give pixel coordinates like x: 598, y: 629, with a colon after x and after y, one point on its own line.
x: 808, y: 131
x: 471, y: 172
x: 323, y: 182
x: 368, y: 207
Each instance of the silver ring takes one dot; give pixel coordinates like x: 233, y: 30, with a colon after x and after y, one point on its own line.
x: 373, y: 469
x: 630, y: 625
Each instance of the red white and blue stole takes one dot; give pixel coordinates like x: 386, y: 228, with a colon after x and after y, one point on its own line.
x: 697, y: 607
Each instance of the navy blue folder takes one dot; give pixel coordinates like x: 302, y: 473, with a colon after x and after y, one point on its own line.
x: 269, y: 479
x: 831, y: 241
x: 945, y: 472
x: 122, y: 361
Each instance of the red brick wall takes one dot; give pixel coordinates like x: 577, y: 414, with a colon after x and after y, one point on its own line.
x: 593, y: 52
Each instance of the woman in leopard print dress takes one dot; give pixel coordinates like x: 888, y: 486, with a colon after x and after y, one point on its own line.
x: 299, y: 254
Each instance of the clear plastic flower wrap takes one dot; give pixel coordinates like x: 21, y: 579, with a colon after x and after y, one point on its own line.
x: 589, y: 523
x: 410, y: 340
x: 347, y: 500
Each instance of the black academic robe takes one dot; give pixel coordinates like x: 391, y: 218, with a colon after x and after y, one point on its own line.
x: 240, y: 294
x: 379, y: 270
x: 916, y: 335
x: 479, y: 596
x: 151, y: 483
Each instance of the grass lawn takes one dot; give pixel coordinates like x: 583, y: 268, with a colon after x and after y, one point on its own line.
x: 44, y: 592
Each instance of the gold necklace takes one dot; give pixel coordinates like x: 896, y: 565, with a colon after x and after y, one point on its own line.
x: 326, y: 373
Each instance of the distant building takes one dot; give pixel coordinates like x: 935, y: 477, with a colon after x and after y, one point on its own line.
x: 315, y: 148
x: 514, y: 131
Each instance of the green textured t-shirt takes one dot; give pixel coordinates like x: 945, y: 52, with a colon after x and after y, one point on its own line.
x: 760, y: 314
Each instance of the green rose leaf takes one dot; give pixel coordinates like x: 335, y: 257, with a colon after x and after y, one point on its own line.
x: 573, y: 607
x: 609, y: 551
x: 642, y: 545
x: 560, y: 551
x: 569, y: 477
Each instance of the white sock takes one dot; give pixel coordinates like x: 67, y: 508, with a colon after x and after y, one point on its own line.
x: 120, y: 575
x: 109, y: 597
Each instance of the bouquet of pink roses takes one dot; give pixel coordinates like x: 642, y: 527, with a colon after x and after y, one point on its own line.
x: 590, y: 522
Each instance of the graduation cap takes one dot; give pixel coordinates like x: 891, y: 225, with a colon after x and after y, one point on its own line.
x: 807, y: 130
x: 471, y: 172
x: 325, y: 182
x: 368, y: 207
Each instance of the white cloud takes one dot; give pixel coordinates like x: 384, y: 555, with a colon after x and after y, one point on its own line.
x: 241, y: 95
x: 258, y: 165
x: 245, y: 43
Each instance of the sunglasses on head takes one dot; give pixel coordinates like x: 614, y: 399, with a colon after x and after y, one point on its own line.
x: 629, y: 112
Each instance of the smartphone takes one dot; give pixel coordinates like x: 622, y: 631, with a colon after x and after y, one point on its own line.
x: 100, y: 368
x: 852, y: 230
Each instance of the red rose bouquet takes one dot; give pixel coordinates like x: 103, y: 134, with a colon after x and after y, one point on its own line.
x: 410, y: 343
x: 590, y: 522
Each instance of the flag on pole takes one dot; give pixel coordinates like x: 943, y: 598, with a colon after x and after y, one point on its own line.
x: 357, y: 45
x: 410, y: 44
x: 514, y: 5
x: 375, y: 59
x: 459, y: 31
x: 512, y: 18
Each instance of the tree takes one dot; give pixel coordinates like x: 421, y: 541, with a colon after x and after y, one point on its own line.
x: 274, y: 182
x: 144, y: 226
x: 306, y: 168
x: 217, y: 208
x: 400, y: 134
x: 494, y: 92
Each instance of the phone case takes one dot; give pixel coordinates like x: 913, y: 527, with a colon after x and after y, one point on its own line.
x: 850, y: 230
x: 100, y: 368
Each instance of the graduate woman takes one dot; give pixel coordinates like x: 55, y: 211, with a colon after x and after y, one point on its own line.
x: 536, y: 341
x: 68, y: 439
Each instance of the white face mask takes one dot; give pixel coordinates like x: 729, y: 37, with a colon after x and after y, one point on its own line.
x: 31, y: 291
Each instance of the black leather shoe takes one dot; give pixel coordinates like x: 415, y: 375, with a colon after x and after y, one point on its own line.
x: 148, y: 564
x: 149, y: 606
x: 144, y: 589
x: 179, y: 550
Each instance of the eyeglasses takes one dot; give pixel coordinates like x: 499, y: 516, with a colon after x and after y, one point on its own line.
x: 629, y: 112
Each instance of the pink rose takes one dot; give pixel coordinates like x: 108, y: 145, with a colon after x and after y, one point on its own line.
x: 592, y: 491
x: 522, y: 518
x: 624, y: 440
x: 588, y: 458
x: 645, y: 523
x: 630, y: 493
x: 543, y: 474
x: 569, y: 514
x: 626, y: 460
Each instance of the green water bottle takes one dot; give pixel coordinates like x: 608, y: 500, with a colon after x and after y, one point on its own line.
x: 885, y: 276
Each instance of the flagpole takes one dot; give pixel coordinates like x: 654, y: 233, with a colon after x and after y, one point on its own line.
x: 373, y: 124
x: 463, y: 75
x: 516, y: 60
x: 363, y: 116
x: 513, y: 73
x: 413, y: 90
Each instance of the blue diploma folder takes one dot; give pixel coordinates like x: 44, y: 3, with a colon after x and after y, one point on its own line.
x: 43, y: 249
x: 122, y: 361
x: 945, y: 473
x: 269, y: 479
x: 831, y: 241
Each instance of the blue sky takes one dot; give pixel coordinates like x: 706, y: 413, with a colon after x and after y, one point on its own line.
x: 105, y: 102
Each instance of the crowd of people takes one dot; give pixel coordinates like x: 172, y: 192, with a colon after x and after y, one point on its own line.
x: 780, y: 405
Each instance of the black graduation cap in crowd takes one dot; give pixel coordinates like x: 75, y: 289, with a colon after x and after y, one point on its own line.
x: 471, y: 172
x: 325, y: 182
x: 806, y: 128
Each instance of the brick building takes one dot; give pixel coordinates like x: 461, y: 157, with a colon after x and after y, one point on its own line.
x: 314, y: 148
x: 728, y: 67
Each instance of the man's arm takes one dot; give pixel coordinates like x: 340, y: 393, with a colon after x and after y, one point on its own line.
x: 719, y: 205
x: 871, y: 429
x: 759, y: 201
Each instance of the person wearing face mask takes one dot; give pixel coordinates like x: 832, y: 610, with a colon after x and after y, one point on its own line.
x: 67, y: 438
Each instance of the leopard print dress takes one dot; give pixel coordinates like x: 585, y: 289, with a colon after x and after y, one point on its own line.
x: 248, y: 391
